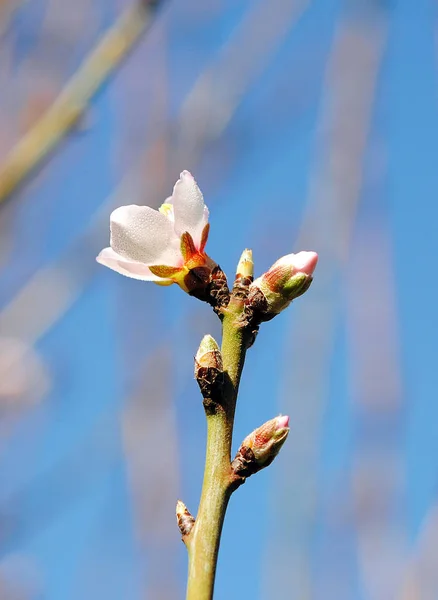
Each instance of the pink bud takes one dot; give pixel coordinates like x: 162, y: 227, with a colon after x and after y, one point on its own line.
x: 282, y: 421
x: 288, y: 278
x: 291, y: 264
x: 305, y: 262
x: 261, y: 446
x: 288, y: 267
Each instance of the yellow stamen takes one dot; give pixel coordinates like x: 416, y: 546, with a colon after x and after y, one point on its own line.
x: 167, y: 210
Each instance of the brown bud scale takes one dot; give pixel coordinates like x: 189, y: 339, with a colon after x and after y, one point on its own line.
x: 210, y: 381
x: 213, y: 358
x: 209, y: 286
x: 184, y: 519
x: 240, y: 288
x: 244, y: 463
x: 257, y: 308
x: 219, y: 292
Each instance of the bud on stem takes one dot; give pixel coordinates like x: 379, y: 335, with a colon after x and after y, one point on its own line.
x: 244, y: 275
x: 209, y: 372
x: 260, y: 447
x: 245, y: 267
x: 184, y: 519
x: 287, y: 279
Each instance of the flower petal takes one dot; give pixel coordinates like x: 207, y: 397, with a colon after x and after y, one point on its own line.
x: 132, y: 269
x: 142, y: 234
x: 191, y: 214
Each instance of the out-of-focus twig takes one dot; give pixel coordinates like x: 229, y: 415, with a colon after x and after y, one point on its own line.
x: 420, y: 577
x: 328, y: 222
x: 7, y: 12
x: 74, y: 98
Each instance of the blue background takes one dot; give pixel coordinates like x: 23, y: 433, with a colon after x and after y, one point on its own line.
x: 308, y: 125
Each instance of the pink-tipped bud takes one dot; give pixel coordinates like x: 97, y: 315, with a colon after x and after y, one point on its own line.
x: 304, y: 261
x: 282, y: 421
x: 288, y: 278
x: 261, y: 446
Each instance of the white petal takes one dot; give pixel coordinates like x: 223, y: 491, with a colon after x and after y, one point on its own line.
x: 121, y: 265
x: 191, y: 214
x: 142, y: 234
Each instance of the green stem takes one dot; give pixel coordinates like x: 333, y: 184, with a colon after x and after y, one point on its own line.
x: 204, y: 539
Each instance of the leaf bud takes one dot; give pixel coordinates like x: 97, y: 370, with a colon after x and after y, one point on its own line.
x: 209, y: 370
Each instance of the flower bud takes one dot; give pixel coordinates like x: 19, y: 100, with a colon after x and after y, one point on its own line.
x: 287, y: 279
x: 260, y: 447
x: 184, y: 519
x: 209, y: 371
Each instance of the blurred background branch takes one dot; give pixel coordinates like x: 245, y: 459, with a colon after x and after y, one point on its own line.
x: 73, y: 101
x: 317, y: 122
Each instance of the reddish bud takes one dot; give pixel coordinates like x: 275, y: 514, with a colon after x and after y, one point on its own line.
x: 261, y: 446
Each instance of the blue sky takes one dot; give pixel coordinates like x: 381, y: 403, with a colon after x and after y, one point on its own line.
x: 330, y: 142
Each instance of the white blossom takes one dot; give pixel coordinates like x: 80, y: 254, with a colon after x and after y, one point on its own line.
x: 160, y: 245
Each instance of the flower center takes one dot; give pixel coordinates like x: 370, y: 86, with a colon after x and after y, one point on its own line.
x: 167, y: 210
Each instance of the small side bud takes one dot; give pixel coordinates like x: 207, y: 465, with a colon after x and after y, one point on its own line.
x: 260, y: 447
x: 184, y: 519
x: 287, y: 279
x: 209, y: 372
x: 208, y: 354
x: 245, y: 267
x: 244, y: 275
